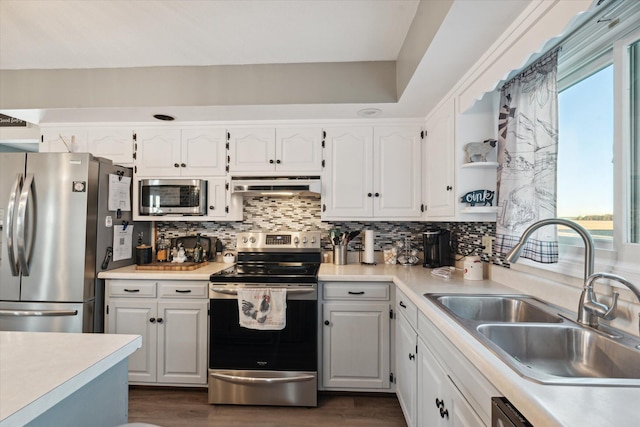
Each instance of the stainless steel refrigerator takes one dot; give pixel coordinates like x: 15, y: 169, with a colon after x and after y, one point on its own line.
x: 57, y: 233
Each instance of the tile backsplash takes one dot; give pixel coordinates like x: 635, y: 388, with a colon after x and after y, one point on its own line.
x: 303, y: 214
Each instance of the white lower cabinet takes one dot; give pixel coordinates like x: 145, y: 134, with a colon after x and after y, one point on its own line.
x: 355, y: 334
x: 406, y: 362
x: 173, y: 327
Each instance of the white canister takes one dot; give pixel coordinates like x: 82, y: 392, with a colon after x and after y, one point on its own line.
x: 473, y: 268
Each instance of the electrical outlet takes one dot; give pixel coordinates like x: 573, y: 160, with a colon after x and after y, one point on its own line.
x: 487, y: 242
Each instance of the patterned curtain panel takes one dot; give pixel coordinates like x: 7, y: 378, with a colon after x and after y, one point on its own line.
x: 527, y: 154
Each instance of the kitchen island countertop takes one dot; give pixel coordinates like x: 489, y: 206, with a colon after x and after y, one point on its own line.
x: 39, y: 370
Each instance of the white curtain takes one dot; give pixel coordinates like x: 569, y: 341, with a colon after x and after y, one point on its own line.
x: 527, y: 154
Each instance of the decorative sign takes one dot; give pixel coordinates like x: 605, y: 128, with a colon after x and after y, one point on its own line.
x: 478, y: 196
x: 7, y: 121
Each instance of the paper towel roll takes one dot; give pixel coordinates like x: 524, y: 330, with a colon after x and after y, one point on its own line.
x: 369, y: 244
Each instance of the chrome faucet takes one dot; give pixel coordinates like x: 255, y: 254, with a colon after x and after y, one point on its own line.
x: 600, y: 310
x: 586, y: 307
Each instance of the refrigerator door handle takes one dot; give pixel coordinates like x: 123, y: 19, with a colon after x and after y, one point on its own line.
x: 38, y: 313
x: 28, y: 189
x: 11, y: 209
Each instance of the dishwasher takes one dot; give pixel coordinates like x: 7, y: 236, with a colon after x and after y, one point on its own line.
x: 503, y: 414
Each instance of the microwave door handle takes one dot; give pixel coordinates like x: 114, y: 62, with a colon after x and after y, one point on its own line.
x: 28, y: 190
x: 11, y: 210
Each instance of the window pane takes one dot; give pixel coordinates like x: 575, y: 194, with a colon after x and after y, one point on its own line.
x: 634, y: 206
x: 585, y: 157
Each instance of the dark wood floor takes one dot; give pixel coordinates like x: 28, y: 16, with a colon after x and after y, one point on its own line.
x: 173, y: 407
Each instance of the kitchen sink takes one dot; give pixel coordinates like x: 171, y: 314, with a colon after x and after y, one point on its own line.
x: 540, y: 342
x: 555, y: 353
x: 496, y: 308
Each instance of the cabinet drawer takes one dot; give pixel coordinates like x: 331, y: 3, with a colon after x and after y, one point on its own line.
x: 408, y: 309
x: 183, y: 289
x: 356, y: 291
x: 131, y: 288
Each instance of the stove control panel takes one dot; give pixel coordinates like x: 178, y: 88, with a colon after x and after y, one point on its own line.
x: 279, y: 240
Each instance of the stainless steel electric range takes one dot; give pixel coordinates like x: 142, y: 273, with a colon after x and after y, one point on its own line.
x: 266, y: 367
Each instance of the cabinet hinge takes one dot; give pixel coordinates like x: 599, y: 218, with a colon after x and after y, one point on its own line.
x: 226, y: 185
x: 227, y: 168
x: 391, y: 378
x: 423, y: 134
x: 228, y: 159
x: 107, y: 309
x: 324, y: 136
x: 135, y: 155
x: 135, y: 136
x: 416, y: 348
x: 135, y: 169
x: 226, y: 209
x: 421, y: 208
x: 42, y: 138
x: 391, y: 313
x: 324, y: 207
x: 323, y: 163
x: 323, y: 143
x: 228, y: 136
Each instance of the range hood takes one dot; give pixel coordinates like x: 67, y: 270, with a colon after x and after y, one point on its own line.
x: 277, y: 186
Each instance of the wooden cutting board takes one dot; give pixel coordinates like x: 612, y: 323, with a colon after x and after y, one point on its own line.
x: 170, y: 266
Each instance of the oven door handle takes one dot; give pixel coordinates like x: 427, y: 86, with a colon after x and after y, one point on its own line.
x: 235, y: 291
x: 256, y: 381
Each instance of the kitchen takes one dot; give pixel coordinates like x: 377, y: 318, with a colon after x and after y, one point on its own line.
x: 84, y: 132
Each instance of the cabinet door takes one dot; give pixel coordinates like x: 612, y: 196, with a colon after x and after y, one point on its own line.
x: 158, y: 153
x: 114, y: 144
x: 137, y: 317
x: 356, y: 345
x: 431, y: 389
x: 348, y: 178
x: 439, y: 162
x: 203, y: 152
x: 299, y: 150
x: 182, y: 342
x: 461, y: 413
x: 64, y: 140
x: 252, y: 150
x: 216, y: 197
x: 406, y: 367
x: 396, y: 171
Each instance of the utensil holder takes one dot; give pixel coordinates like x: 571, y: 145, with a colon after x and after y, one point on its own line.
x: 340, y: 254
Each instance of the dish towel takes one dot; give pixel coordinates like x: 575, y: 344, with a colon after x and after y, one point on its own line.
x: 262, y: 308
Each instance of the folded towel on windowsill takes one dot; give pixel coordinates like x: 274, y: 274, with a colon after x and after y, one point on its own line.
x: 262, y: 308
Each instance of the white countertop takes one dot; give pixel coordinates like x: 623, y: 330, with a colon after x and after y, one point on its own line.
x: 542, y: 405
x: 40, y: 369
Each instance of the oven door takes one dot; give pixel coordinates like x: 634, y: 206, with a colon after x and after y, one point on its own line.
x: 293, y: 348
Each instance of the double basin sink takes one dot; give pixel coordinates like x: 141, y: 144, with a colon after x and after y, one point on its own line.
x: 539, y: 343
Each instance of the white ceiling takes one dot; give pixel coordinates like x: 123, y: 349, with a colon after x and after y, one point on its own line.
x: 90, y: 34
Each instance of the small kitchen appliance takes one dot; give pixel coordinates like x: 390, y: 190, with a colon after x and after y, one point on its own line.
x: 266, y: 367
x: 436, y: 248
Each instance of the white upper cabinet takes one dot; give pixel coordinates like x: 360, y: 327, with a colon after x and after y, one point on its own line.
x: 192, y: 152
x: 115, y: 144
x: 268, y: 150
x: 439, y: 191
x: 348, y: 178
x: 64, y: 140
x: 372, y: 173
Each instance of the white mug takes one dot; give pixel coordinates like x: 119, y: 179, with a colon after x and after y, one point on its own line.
x: 473, y: 268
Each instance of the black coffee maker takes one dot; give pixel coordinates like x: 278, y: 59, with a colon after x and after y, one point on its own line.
x: 436, y: 248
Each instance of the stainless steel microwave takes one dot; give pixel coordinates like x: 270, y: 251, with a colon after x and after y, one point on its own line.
x: 173, y: 197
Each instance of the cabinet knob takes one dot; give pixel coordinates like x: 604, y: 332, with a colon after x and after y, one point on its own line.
x: 160, y: 320
x: 439, y: 403
x: 369, y: 194
x: 152, y: 320
x: 411, y: 356
x: 278, y: 161
x: 183, y: 165
x: 176, y: 165
x: 212, y: 208
x: 377, y: 194
x: 449, y: 188
x: 271, y: 161
x: 326, y: 322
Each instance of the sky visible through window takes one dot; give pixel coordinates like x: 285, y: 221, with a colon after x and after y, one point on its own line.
x: 585, y: 152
